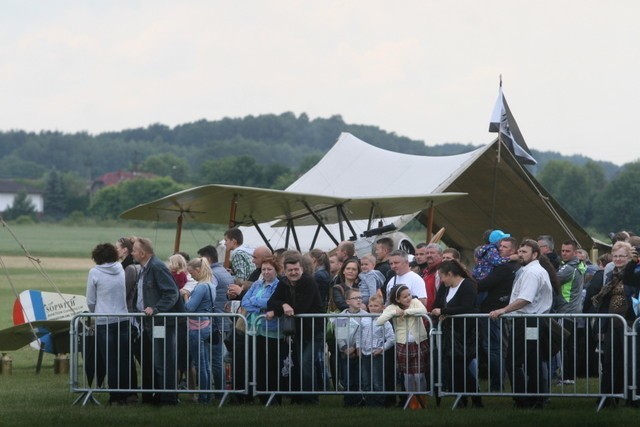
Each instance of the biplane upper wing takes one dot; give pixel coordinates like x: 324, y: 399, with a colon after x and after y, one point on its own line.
x: 214, y: 203
x: 16, y: 337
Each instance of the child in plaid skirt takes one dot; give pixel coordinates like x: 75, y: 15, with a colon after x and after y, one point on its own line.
x: 412, y: 345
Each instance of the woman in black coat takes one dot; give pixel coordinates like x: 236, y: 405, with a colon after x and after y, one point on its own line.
x: 457, y: 295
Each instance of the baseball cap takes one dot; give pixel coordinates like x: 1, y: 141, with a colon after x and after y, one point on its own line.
x: 497, y: 235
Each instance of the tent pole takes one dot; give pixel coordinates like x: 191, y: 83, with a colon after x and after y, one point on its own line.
x: 176, y: 243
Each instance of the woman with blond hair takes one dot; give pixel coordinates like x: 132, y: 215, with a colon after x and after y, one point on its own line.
x: 200, y: 300
x: 614, y: 297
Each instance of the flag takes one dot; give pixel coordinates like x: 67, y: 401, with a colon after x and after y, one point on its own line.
x: 502, y: 121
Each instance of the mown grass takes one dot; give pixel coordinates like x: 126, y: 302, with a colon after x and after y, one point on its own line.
x: 30, y: 399
x: 54, y: 240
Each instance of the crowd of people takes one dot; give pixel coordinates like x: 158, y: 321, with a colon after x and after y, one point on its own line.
x: 383, y: 304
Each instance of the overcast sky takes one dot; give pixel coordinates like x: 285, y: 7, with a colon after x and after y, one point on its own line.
x: 425, y: 69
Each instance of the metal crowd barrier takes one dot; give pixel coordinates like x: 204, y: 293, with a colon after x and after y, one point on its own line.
x: 542, y: 356
x: 635, y: 355
x: 530, y: 358
x: 331, y: 354
x: 128, y: 355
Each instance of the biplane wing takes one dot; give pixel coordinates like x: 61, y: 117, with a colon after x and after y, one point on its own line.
x: 213, y: 204
x: 42, y: 319
x: 16, y: 337
x: 247, y: 206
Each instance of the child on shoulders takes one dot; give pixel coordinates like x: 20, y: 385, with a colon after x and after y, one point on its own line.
x: 487, y: 256
x: 370, y: 279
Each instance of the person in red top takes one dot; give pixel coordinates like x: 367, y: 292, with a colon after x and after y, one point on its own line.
x: 178, y: 268
x: 430, y: 274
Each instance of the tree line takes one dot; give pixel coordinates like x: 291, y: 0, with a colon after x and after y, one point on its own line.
x: 268, y: 151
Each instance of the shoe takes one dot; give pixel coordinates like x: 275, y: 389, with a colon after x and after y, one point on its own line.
x: 476, y: 402
x: 568, y: 382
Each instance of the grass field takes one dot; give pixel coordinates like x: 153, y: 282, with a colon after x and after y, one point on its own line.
x: 30, y: 399
x: 51, y: 240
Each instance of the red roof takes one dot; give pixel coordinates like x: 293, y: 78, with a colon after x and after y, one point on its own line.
x: 113, y: 178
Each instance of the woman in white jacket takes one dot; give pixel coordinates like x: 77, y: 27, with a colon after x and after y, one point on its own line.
x: 106, y: 293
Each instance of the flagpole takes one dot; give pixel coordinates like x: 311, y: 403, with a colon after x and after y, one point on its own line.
x: 495, y: 172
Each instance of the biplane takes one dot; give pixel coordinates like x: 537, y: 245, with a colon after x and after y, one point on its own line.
x: 42, y: 319
x: 284, y: 213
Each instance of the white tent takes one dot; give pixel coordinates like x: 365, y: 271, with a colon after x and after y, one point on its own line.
x: 486, y: 188
x: 502, y: 194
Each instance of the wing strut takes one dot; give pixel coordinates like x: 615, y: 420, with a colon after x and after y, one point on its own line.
x: 353, y: 232
x: 232, y: 223
x: 257, y: 226
x: 371, y: 216
x: 295, y: 235
x: 339, y: 213
x: 430, y: 214
x: 176, y: 243
x: 315, y: 237
x: 320, y: 222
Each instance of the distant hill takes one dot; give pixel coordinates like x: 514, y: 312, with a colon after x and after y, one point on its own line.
x: 269, y: 139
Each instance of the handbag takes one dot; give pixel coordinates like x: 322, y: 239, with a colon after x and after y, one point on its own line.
x: 215, y: 335
x: 287, y: 325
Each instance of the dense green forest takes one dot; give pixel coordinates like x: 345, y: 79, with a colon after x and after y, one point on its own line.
x: 268, y: 151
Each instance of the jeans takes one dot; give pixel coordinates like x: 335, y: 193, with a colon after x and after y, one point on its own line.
x: 372, y: 371
x: 527, y: 373
x: 159, y: 368
x: 218, y: 352
x: 495, y: 340
x: 112, y: 341
x: 199, y: 357
x: 304, y: 370
x: 350, y: 378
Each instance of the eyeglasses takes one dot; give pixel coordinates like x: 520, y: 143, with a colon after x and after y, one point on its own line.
x: 352, y: 298
x: 620, y: 256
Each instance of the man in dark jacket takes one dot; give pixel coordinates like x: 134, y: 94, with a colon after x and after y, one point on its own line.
x: 298, y: 294
x: 547, y: 248
x: 498, y: 286
x: 157, y: 293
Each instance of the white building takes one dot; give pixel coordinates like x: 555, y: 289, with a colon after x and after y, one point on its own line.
x: 9, y: 189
